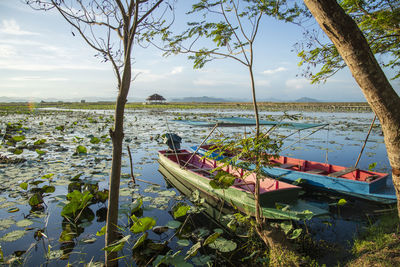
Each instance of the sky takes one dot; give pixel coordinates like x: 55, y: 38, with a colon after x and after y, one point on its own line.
x: 41, y: 59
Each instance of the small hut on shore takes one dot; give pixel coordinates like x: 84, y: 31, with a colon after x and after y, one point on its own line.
x: 155, y: 99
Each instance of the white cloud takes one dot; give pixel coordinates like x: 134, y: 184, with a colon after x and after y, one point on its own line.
x: 273, y: 71
x: 176, y: 70
x: 297, y: 83
x: 37, y: 78
x: 11, y: 27
x: 7, y: 51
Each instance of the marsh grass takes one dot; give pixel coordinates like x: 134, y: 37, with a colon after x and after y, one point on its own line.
x: 379, y: 245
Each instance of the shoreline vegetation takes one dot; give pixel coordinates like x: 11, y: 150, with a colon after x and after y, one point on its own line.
x: 361, y: 107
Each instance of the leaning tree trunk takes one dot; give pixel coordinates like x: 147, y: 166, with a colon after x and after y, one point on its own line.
x: 355, y: 51
x: 117, y: 136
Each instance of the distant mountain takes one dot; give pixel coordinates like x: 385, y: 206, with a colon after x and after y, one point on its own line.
x: 200, y: 99
x: 306, y: 100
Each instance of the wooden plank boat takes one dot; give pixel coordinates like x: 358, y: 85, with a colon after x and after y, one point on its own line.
x: 350, y: 181
x: 196, y: 172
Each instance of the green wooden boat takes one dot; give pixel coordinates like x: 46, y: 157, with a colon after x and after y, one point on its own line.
x: 278, y: 200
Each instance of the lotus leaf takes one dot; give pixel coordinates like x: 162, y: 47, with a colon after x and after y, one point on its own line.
x: 211, y: 238
x: 193, y: 250
x: 173, y: 224
x: 102, y: 231
x: 55, y: 254
x: 136, y: 205
x: 167, y: 193
x: 223, y: 245
x: 180, y: 209
x: 117, y: 246
x: 143, y: 224
x: 40, y: 152
x: 13, y: 236
x: 81, y: 149
x: 24, y: 223
x: 24, y: 186
x: 6, y: 223
x: 296, y: 233
x: 203, y: 260
x: 18, y: 138
x: 183, y: 242
x: 140, y: 240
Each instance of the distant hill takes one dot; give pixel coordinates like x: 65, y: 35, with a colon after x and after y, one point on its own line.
x: 200, y: 99
x: 306, y: 99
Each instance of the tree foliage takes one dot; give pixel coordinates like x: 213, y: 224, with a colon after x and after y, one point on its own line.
x: 379, y: 20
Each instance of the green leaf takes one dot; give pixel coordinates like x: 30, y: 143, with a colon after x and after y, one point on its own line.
x: 140, y: 240
x: 35, y: 200
x: 173, y: 224
x: 95, y: 140
x: 81, y: 149
x: 136, y: 205
x: 102, y: 231
x: 286, y: 226
x: 223, y: 245
x: 180, y: 209
x: 193, y: 250
x: 342, y: 202
x: 143, y: 224
x: 18, y: 138
x: 117, y: 246
x: 183, y: 242
x: 48, y: 189
x: 295, y: 234
x: 372, y: 166
x: 18, y: 151
x: 211, y: 238
x: 40, y: 152
x: 48, y: 176
x: 24, y: 185
x: 39, y: 142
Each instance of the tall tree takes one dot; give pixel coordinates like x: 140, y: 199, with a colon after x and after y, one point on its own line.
x: 111, y: 28
x: 356, y: 53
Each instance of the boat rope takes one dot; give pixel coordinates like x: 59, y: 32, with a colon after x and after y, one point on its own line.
x: 313, y: 132
x: 327, y: 146
x: 365, y: 142
x: 202, y: 143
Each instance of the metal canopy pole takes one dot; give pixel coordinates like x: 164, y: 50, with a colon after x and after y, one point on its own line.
x: 205, y: 139
x: 365, y: 142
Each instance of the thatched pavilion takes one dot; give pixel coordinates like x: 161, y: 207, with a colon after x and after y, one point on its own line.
x: 155, y: 99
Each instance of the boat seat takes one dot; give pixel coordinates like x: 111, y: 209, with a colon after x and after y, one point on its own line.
x: 371, y: 178
x: 315, y: 171
x: 342, y: 172
x: 287, y: 165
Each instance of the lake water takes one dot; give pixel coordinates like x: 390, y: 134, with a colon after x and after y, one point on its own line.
x: 21, y: 228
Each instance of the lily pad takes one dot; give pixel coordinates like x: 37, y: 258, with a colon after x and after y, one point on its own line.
x: 13, y: 236
x: 173, y: 224
x: 6, y: 223
x: 24, y: 223
x: 223, y: 245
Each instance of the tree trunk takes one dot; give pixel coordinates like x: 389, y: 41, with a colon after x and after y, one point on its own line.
x: 117, y: 137
x: 355, y: 51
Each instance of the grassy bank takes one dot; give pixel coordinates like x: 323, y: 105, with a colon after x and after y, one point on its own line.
x: 263, y: 106
x: 379, y: 245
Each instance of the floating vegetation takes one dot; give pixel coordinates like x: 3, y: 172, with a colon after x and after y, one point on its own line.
x: 54, y: 172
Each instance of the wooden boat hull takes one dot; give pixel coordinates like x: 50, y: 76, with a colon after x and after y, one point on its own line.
x: 242, y: 199
x: 328, y: 177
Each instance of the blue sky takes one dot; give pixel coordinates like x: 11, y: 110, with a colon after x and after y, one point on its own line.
x: 41, y: 59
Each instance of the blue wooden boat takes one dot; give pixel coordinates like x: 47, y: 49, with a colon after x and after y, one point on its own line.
x: 350, y: 181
